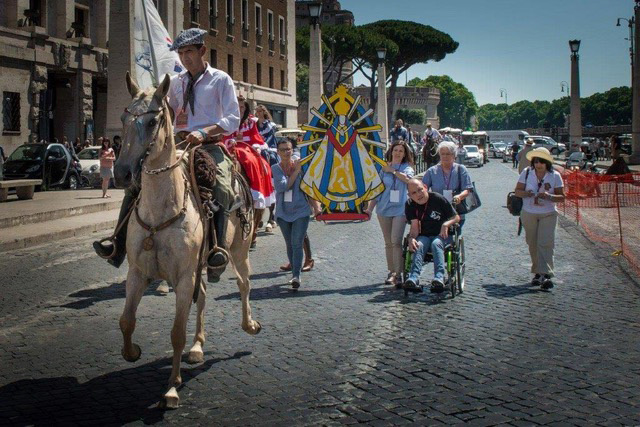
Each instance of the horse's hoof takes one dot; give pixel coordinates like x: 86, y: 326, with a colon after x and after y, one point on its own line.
x: 254, y: 328
x: 171, y: 399
x: 195, y: 357
x: 136, y: 355
x: 258, y: 328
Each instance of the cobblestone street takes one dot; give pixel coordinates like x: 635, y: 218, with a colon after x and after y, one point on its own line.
x: 345, y: 348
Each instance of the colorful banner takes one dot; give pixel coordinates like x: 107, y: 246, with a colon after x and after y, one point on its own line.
x: 153, y: 59
x: 342, y: 156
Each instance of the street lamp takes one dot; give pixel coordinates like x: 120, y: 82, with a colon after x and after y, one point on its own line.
x: 315, y: 56
x: 503, y: 94
x: 635, y: 89
x: 382, y: 96
x: 575, y: 119
x: 630, y: 23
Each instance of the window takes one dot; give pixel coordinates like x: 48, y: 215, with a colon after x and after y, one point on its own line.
x: 245, y: 14
x: 230, y: 17
x: 245, y: 70
x: 194, y: 8
x: 11, y: 112
x: 259, y: 74
x: 271, y: 77
x: 258, y: 19
x: 230, y: 65
x: 283, y: 85
x: 213, y: 61
x: 80, y: 25
x: 213, y: 14
x: 283, y: 31
x: 270, y: 24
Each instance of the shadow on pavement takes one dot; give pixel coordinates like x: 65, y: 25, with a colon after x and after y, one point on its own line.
x: 118, y: 397
x: 505, y: 291
x: 95, y: 295
x: 283, y: 290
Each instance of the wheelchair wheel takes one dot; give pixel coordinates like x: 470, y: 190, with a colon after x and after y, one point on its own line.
x: 460, y: 265
x: 451, y: 272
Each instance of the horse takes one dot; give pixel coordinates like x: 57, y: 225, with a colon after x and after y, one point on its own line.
x: 170, y: 252
x: 430, y: 152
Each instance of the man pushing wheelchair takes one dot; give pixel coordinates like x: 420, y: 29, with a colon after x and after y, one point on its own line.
x: 430, y: 216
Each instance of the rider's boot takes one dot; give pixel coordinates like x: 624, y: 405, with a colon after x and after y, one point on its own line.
x: 218, y: 259
x: 104, y: 250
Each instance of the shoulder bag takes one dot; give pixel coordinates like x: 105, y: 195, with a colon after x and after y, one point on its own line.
x: 514, y: 203
x: 471, y: 202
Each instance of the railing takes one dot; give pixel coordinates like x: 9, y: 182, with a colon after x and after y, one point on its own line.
x: 271, y: 44
x: 283, y: 47
x: 229, y: 28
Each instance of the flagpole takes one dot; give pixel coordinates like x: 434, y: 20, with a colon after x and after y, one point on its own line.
x: 154, y: 75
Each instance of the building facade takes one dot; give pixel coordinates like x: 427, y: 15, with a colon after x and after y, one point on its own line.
x: 53, y: 63
x: 423, y: 98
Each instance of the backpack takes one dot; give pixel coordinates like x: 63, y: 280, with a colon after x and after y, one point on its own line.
x: 514, y: 203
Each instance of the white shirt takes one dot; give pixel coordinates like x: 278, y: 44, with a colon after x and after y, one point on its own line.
x: 215, y: 101
x: 549, y: 183
x: 433, y: 133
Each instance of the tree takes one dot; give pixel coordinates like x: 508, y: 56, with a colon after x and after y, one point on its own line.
x: 411, y: 116
x: 417, y: 44
x: 302, y: 82
x: 457, y: 103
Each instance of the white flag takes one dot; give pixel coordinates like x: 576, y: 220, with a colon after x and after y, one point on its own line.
x: 153, y: 58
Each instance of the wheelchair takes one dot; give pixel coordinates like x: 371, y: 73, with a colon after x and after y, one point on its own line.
x: 454, y: 269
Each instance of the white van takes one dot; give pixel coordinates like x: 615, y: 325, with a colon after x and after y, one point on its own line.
x: 507, y: 136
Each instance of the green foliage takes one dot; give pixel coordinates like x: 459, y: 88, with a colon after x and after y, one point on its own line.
x: 411, y: 116
x: 612, y: 107
x: 457, y: 103
x: 302, y: 82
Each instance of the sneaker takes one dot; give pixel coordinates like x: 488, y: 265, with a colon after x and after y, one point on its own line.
x: 391, y: 279
x: 537, y: 280
x: 437, y: 287
x: 268, y: 228
x: 546, y: 282
x: 295, y: 283
x: 272, y: 224
x: 411, y: 285
x: 398, y: 281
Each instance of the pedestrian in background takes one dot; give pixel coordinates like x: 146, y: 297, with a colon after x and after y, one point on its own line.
x: 616, y: 147
x: 267, y: 130
x: 107, y: 157
x: 462, y: 153
x: 523, y: 160
x: 540, y: 187
x: 515, y: 148
x: 117, y: 145
x: 390, y: 207
x: 292, y: 209
x: 398, y: 132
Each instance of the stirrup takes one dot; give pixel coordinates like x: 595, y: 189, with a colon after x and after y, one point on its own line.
x: 224, y: 253
x: 113, y: 252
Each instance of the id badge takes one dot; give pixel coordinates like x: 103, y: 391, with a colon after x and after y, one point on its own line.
x: 394, y: 196
x: 182, y: 120
x: 288, y: 196
x: 448, y: 194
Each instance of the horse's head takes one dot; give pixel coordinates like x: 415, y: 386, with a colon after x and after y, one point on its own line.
x: 146, y: 130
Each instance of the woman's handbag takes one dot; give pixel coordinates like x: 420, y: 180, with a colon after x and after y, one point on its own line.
x: 514, y: 203
x: 471, y: 202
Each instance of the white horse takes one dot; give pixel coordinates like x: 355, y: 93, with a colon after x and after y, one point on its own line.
x: 170, y: 253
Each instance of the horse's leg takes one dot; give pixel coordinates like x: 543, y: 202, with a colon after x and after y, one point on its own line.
x: 196, y: 355
x: 257, y: 217
x: 135, y: 286
x: 240, y: 259
x: 184, y: 293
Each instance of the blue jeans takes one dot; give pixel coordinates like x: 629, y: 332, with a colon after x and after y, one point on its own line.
x: 436, y: 244
x: 293, y: 233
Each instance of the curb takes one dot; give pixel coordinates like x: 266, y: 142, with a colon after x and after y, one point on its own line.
x: 58, y: 214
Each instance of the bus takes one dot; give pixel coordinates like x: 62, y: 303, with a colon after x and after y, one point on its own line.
x: 507, y: 136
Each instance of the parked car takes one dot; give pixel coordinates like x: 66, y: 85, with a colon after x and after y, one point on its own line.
x: 474, y: 157
x: 497, y: 149
x: 90, y: 162
x: 550, y: 144
x: 52, y: 163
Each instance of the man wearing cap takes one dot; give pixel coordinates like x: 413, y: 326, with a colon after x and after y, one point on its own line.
x: 205, y: 107
x: 432, y: 134
x: 522, y: 160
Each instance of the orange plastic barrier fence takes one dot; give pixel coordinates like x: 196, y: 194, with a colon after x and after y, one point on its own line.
x: 607, y: 207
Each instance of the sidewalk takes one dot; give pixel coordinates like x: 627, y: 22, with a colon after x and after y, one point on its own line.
x: 53, y: 215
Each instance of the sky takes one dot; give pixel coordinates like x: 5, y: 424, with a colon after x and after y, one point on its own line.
x: 518, y: 45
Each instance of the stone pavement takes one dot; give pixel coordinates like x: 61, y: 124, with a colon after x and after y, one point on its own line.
x: 344, y: 349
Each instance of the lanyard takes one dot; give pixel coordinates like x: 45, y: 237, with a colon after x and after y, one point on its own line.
x: 393, y: 187
x: 446, y: 179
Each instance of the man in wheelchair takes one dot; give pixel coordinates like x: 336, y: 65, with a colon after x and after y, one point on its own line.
x: 430, y: 216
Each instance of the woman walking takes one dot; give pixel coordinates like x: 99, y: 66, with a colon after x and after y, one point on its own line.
x: 540, y: 187
x: 107, y: 156
x: 390, y: 206
x: 292, y: 208
x: 267, y: 130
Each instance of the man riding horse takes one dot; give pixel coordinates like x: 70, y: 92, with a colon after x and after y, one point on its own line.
x: 205, y: 106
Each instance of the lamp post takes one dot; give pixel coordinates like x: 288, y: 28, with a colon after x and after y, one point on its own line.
x: 382, y: 96
x: 575, y: 119
x: 503, y: 94
x: 631, y: 23
x: 315, y: 57
x: 635, y: 90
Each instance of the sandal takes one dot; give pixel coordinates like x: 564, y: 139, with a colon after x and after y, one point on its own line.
x: 308, y: 265
x: 285, y: 267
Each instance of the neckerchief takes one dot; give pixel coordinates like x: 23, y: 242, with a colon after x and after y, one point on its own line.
x: 189, y: 93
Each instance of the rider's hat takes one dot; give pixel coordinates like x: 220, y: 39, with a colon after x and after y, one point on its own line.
x: 188, y: 37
